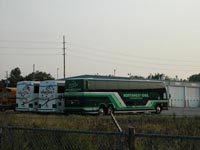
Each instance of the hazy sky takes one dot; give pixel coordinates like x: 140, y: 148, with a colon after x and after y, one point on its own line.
x: 131, y: 36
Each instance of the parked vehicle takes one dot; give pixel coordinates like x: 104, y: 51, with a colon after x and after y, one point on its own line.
x: 7, y: 98
x: 27, y: 96
x: 50, y: 96
x: 116, y: 96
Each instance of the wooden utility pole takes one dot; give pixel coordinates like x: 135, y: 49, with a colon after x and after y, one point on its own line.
x: 33, y: 72
x: 64, y: 56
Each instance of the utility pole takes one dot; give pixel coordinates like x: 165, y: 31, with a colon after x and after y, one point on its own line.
x: 57, y: 73
x: 115, y: 72
x: 64, y: 56
x: 6, y: 78
x: 33, y: 72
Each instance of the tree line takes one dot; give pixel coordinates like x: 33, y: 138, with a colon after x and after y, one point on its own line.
x: 16, y: 76
x: 161, y: 76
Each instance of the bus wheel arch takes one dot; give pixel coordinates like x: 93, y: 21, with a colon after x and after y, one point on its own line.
x: 158, y: 109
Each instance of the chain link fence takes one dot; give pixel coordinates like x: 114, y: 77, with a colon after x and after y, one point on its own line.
x: 165, y: 142
x: 16, y: 138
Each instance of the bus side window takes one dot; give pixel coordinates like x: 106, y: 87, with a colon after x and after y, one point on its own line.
x: 61, y: 89
x: 164, y: 95
x: 8, y: 90
x: 36, y: 89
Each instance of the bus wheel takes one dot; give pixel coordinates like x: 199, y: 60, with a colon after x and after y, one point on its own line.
x: 3, y: 109
x: 102, y: 110
x: 158, y: 109
x: 110, y: 110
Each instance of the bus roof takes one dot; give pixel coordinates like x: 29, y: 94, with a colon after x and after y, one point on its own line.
x: 28, y: 82
x: 115, y: 84
x: 52, y: 82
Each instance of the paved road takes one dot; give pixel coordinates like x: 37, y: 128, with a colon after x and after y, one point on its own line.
x: 182, y: 111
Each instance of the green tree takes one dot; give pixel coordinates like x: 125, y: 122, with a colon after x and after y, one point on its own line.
x: 194, y: 78
x: 38, y: 76
x: 136, y: 77
x: 15, y: 76
x: 159, y: 76
x: 3, y: 83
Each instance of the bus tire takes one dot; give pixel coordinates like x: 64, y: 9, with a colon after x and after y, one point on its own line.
x: 102, y: 110
x: 3, y: 109
x: 158, y: 109
x: 110, y: 110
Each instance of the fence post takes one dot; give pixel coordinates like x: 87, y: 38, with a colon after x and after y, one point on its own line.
x: 131, y: 138
x: 1, y: 138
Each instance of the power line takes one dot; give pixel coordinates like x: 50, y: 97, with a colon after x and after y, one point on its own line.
x: 106, y: 56
x: 41, y: 42
x: 109, y: 61
x: 129, y: 58
x: 99, y: 50
x: 20, y: 54
x: 5, y: 47
x: 133, y: 55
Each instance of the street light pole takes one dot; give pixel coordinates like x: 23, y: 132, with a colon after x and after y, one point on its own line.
x: 57, y: 73
x: 64, y: 56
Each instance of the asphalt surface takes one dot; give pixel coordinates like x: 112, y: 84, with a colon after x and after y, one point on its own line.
x: 182, y: 111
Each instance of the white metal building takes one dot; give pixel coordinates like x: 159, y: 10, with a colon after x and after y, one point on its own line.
x: 183, y: 94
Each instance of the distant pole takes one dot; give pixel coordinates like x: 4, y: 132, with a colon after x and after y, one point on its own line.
x: 33, y: 72
x: 57, y: 73
x: 6, y: 78
x: 64, y: 56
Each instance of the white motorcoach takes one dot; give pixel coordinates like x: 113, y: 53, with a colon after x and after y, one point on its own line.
x: 50, y: 96
x: 27, y: 96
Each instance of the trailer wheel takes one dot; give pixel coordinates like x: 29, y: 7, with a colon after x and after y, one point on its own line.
x: 110, y: 110
x: 158, y: 109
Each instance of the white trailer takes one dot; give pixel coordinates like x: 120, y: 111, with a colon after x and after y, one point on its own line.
x: 27, y: 96
x: 50, y: 96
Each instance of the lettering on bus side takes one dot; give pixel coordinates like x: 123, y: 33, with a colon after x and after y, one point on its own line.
x: 73, y: 86
x: 48, y: 90
x: 136, y: 95
x: 25, y: 91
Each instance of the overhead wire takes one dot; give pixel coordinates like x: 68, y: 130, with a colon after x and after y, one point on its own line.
x: 108, y: 56
x: 41, y: 42
x: 121, y: 63
x: 133, y: 55
x: 126, y: 57
x: 28, y: 54
x: 130, y: 59
x: 28, y: 48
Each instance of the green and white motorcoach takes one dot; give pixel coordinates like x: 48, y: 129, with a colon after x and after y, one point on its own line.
x: 104, y: 96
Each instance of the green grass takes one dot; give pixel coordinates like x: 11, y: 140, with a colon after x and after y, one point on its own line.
x: 141, y: 123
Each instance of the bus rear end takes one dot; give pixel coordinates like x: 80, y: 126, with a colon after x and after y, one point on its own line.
x: 27, y: 96
x: 50, y: 96
x: 7, y: 98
